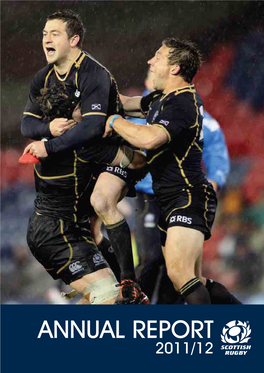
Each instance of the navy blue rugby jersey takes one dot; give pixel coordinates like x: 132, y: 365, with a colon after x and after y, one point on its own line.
x: 176, y: 165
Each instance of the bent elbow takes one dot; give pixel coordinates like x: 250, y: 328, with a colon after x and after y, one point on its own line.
x: 24, y: 130
x: 152, y: 144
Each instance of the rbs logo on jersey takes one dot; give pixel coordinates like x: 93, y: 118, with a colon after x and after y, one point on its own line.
x: 182, y: 219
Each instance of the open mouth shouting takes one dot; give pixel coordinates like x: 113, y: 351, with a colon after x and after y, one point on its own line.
x: 50, y: 51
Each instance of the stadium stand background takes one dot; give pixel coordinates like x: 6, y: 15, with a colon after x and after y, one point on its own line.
x: 123, y: 36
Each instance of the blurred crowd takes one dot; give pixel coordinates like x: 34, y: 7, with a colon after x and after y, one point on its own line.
x: 231, y: 86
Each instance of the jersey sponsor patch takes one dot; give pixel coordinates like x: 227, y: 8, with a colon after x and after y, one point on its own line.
x: 165, y: 122
x: 75, y: 267
x: 96, y: 106
x: 120, y: 171
x: 181, y: 219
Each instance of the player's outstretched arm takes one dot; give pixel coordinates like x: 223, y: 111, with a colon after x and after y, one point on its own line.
x: 131, y: 104
x: 144, y: 137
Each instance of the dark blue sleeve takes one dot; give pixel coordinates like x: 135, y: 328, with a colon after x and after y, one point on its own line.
x: 32, y: 125
x: 88, y: 129
x: 34, y: 128
x: 95, y: 91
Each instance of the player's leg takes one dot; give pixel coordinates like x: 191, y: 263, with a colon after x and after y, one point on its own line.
x: 166, y: 291
x: 67, y: 252
x: 99, y: 287
x: 108, y: 191
x: 147, y: 238
x: 101, y: 241
x: 218, y: 292
x: 129, y: 158
x: 104, y: 245
x: 182, y: 250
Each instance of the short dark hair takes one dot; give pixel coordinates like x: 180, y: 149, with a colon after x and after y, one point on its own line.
x: 185, y: 54
x: 57, y: 101
x: 74, y: 24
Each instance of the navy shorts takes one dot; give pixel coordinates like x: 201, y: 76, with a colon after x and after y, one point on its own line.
x: 199, y: 215
x: 64, y: 248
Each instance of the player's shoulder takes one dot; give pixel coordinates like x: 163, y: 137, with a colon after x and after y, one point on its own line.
x: 42, y: 73
x: 149, y: 99
x: 39, y: 78
x: 185, y: 98
x: 90, y: 65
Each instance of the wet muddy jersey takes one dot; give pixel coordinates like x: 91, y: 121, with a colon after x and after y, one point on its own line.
x: 176, y: 166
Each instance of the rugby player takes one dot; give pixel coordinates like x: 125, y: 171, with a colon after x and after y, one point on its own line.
x: 96, y: 90
x: 174, y: 142
x: 216, y: 161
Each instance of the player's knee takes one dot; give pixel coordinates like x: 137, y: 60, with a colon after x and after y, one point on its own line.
x: 100, y: 202
x: 103, y: 290
x: 173, y: 274
x: 179, y: 275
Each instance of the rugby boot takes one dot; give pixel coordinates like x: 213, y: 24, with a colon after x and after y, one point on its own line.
x: 130, y: 293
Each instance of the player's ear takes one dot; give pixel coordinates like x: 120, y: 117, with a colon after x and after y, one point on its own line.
x: 74, y: 40
x: 175, y: 69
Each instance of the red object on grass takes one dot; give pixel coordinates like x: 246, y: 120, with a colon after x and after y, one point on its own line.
x: 28, y: 158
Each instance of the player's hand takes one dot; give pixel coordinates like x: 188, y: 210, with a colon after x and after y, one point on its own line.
x: 77, y: 115
x: 36, y: 148
x: 108, y: 129
x: 60, y: 125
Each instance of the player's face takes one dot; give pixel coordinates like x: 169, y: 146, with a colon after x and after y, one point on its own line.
x: 56, y: 43
x: 160, y: 68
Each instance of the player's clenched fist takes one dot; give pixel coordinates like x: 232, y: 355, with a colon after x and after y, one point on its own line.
x: 60, y: 125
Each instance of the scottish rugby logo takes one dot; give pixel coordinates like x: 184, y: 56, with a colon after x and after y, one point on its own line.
x: 235, y: 334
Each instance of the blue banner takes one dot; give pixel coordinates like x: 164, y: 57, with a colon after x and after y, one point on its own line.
x: 50, y: 338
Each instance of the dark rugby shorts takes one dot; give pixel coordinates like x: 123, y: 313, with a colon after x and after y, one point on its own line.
x: 199, y: 215
x: 64, y: 248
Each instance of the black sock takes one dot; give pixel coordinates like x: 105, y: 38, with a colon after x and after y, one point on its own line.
x: 195, y: 292
x: 120, y: 238
x: 108, y: 253
x: 167, y: 293
x: 219, y: 293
